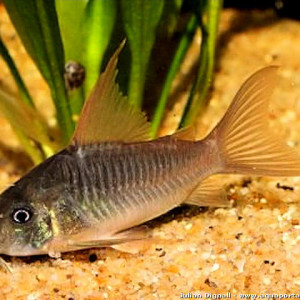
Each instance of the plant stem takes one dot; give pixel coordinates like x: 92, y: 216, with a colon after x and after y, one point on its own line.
x: 180, y: 53
x: 197, y: 98
x: 76, y: 98
x: 15, y: 73
x: 34, y: 153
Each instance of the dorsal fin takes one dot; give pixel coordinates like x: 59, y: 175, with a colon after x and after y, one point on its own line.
x: 185, y: 134
x: 107, y: 115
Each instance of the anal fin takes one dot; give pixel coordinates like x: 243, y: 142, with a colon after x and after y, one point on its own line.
x: 209, y: 192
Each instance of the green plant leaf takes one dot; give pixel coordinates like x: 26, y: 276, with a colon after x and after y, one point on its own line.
x: 98, y: 26
x: 208, y: 16
x: 71, y: 17
x: 15, y: 73
x: 37, y: 154
x: 24, y: 118
x: 37, y: 25
x: 169, y: 18
x: 140, y: 18
x: 71, y: 23
x: 180, y: 53
x: 29, y: 147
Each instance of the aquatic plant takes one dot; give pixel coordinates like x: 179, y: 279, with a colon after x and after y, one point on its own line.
x: 70, y: 41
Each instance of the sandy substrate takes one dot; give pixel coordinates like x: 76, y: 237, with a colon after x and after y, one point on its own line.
x: 252, y: 247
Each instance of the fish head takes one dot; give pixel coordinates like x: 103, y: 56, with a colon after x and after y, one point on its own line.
x: 25, y: 221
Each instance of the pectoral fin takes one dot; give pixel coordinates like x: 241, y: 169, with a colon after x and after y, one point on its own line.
x: 129, y: 235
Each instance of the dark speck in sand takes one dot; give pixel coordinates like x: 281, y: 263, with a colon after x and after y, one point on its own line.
x: 246, y: 182
x: 93, y: 257
x: 284, y: 187
x: 238, y: 236
x: 210, y: 283
x: 163, y: 253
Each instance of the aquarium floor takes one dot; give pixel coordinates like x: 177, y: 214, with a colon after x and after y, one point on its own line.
x: 252, y: 247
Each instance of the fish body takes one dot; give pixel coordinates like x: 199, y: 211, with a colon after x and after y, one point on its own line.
x: 112, y: 178
x: 110, y: 186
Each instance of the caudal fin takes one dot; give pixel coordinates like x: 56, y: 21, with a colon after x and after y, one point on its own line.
x: 243, y: 138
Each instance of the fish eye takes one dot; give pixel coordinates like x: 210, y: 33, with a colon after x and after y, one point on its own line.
x: 21, y: 215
